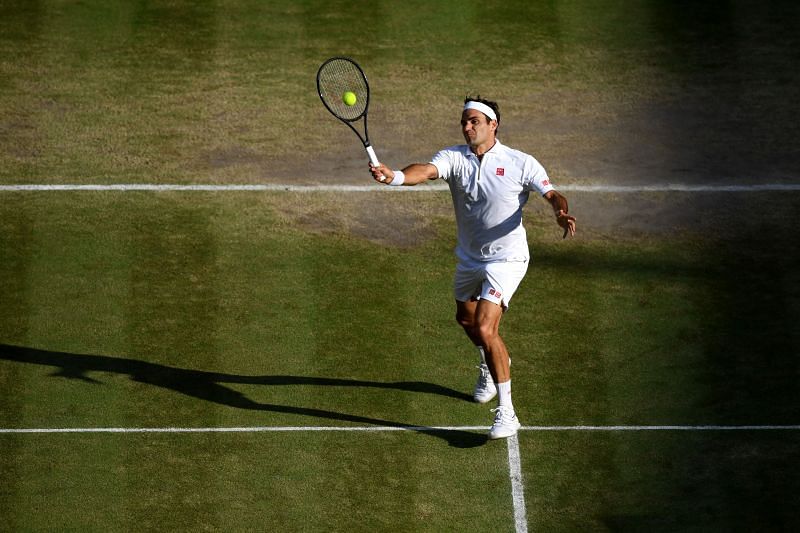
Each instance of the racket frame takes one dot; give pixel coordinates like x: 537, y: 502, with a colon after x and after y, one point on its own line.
x: 363, y: 115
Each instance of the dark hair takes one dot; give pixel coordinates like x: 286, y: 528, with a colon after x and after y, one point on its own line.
x: 493, y: 105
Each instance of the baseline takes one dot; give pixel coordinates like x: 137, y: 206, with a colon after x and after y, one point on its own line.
x: 419, y: 429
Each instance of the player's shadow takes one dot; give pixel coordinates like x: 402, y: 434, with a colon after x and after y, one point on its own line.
x: 210, y: 386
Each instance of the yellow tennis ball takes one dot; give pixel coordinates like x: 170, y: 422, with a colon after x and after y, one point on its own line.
x: 349, y: 98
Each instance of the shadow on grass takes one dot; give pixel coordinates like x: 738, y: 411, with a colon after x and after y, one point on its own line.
x: 210, y: 386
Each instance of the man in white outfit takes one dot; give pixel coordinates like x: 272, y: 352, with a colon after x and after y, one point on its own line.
x: 489, y: 183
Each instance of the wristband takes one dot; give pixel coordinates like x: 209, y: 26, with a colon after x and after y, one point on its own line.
x: 399, y: 178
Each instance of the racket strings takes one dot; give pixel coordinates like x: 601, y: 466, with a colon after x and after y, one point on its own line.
x: 337, y: 77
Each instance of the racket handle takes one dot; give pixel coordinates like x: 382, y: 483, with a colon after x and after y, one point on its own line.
x: 372, y: 157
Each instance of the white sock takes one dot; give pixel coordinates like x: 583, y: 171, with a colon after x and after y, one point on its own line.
x: 482, y: 353
x: 504, y: 394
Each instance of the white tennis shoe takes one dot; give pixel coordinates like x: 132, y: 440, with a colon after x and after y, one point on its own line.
x: 485, y: 388
x: 505, y: 424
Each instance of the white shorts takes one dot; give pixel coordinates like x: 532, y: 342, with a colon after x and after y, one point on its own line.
x: 493, y: 281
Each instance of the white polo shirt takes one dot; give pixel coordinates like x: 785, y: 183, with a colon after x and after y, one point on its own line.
x: 488, y: 196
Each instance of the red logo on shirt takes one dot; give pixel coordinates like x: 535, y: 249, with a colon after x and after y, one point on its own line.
x: 546, y: 183
x: 495, y: 293
x: 501, y: 171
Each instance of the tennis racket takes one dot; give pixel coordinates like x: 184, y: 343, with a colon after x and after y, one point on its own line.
x: 343, y: 89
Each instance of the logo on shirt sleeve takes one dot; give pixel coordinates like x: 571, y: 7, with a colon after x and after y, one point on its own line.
x: 500, y: 171
x: 545, y: 183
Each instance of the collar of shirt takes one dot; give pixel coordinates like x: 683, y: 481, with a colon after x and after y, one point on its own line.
x: 495, y: 148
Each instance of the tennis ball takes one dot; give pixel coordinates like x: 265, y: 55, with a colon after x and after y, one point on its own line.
x: 349, y: 98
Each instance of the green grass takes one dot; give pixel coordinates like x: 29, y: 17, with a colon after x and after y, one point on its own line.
x: 220, y: 310
x: 663, y: 481
x: 296, y: 482
x: 334, y: 309
x: 99, y: 92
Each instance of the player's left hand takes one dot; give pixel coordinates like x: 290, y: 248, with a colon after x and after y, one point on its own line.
x: 566, y: 221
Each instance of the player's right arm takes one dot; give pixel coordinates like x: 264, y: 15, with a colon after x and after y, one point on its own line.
x: 413, y: 174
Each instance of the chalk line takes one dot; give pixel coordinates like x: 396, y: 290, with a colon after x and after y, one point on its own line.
x: 419, y: 429
x: 517, y: 490
x: 277, y: 187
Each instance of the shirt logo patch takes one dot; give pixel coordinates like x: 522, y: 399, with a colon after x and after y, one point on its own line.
x: 500, y: 171
x: 545, y: 183
x: 495, y: 293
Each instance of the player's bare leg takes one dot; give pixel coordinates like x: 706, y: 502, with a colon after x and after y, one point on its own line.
x: 465, y: 316
x: 485, y: 389
x: 481, y: 322
x: 486, y: 328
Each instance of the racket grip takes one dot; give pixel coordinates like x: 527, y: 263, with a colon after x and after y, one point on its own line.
x: 372, y: 157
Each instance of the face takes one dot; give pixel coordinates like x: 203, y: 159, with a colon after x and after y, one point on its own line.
x: 477, y: 129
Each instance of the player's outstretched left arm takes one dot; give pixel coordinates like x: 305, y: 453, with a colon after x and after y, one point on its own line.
x: 561, y: 210
x: 411, y: 175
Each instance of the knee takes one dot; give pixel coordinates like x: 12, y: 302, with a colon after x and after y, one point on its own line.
x: 464, y: 321
x: 487, y: 331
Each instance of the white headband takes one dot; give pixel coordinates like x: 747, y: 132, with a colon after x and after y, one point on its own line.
x: 483, y: 108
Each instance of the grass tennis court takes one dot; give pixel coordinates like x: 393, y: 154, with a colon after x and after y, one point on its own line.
x: 207, y: 310
x: 310, y: 335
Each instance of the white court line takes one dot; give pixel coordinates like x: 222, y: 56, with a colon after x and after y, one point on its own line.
x: 125, y: 187
x: 514, y: 458
x: 676, y: 187
x: 666, y: 428
x: 517, y: 491
x: 420, y: 429
x: 245, y: 429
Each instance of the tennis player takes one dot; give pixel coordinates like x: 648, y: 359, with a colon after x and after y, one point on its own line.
x: 489, y: 183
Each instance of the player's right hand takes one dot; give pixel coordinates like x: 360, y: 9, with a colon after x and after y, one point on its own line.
x: 381, y: 173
